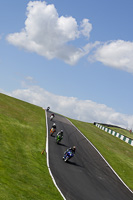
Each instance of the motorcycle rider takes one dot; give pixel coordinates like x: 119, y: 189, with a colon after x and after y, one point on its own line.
x: 53, y: 129
x: 48, y: 108
x: 52, y: 116
x: 60, y: 133
x: 72, y: 149
x: 54, y: 126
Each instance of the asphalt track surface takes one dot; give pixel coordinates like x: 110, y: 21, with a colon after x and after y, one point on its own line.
x: 86, y: 176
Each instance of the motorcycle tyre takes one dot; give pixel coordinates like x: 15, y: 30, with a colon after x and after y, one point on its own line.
x: 67, y: 158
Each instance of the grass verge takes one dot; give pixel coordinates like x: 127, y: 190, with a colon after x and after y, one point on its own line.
x: 23, y: 170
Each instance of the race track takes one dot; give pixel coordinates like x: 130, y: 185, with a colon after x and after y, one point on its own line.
x: 86, y: 176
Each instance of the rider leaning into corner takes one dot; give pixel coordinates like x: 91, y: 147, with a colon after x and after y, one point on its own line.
x: 52, y: 115
x: 48, y: 108
x: 54, y: 125
x: 60, y: 133
x: 53, y: 129
x: 73, y: 149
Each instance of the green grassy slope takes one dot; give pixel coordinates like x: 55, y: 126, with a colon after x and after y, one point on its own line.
x: 118, y: 153
x: 23, y: 170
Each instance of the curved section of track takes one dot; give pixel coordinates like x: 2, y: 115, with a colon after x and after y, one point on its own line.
x: 86, y: 176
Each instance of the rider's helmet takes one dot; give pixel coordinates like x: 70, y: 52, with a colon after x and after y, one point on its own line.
x: 61, y: 131
x: 74, y: 148
x: 54, y: 125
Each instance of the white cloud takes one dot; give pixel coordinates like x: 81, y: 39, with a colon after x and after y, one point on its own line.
x: 117, y: 54
x: 84, y: 110
x: 86, y: 28
x: 48, y: 35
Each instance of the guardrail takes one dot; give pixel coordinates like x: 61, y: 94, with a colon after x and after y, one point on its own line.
x: 118, y: 135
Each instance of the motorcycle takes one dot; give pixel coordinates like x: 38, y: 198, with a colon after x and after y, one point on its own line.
x: 51, y: 117
x: 52, y: 131
x: 58, y: 139
x: 48, y: 108
x: 68, y: 155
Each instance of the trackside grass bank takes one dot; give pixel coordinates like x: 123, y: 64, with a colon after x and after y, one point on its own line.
x: 23, y: 170
x: 117, y: 153
x: 122, y: 131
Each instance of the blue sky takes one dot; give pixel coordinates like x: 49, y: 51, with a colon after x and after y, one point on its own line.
x: 74, y: 56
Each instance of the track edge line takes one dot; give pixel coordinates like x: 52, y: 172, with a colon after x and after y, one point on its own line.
x: 47, y: 154
x: 102, y: 157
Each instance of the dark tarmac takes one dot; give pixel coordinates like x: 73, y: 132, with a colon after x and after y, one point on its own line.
x: 86, y: 176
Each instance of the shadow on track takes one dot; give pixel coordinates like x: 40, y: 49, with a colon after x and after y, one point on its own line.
x: 73, y: 163
x: 61, y: 144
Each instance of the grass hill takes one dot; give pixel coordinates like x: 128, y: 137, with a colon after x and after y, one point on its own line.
x: 23, y: 169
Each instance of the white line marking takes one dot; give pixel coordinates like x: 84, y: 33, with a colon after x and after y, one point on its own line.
x: 102, y: 157
x: 48, y: 159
